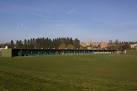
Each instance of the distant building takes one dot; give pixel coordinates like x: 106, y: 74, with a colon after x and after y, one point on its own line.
x: 133, y: 46
x: 85, y: 45
x: 89, y: 47
x: 103, y: 45
x: 95, y: 45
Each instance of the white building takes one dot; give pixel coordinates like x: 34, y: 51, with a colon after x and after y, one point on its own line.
x: 133, y: 46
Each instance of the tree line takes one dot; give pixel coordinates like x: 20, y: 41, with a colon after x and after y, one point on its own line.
x: 44, y: 43
x: 120, y: 45
x: 61, y: 43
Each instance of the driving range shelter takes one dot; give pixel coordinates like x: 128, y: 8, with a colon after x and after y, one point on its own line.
x: 44, y: 52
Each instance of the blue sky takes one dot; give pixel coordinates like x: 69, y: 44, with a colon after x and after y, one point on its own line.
x: 83, y: 19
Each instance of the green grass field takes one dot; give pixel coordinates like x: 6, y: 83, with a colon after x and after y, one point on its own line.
x: 69, y: 73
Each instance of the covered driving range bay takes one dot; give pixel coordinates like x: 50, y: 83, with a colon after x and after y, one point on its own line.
x: 40, y: 52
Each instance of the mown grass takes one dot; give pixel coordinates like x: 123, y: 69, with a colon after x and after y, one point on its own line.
x: 69, y: 73
x: 132, y: 52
